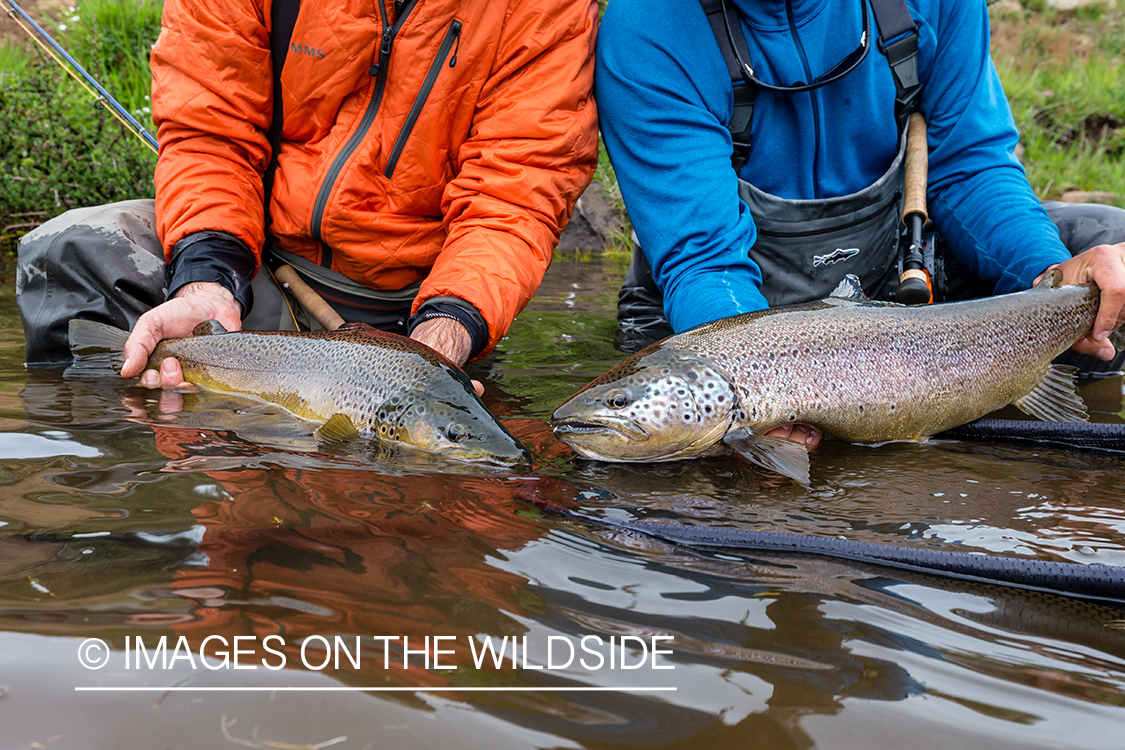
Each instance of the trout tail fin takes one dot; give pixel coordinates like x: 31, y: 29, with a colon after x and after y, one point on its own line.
x: 98, y: 349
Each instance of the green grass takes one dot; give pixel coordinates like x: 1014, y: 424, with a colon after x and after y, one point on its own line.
x: 14, y: 59
x: 58, y: 148
x: 1064, y: 74
x: 113, y: 40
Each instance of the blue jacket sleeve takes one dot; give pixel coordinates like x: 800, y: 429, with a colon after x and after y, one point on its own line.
x: 979, y: 196
x: 663, y: 118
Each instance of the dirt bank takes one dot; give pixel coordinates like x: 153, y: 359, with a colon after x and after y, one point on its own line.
x: 45, y: 13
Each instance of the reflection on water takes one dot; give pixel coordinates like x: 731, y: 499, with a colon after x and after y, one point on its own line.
x: 217, y: 525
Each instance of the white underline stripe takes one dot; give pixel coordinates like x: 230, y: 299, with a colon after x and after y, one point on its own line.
x: 383, y: 689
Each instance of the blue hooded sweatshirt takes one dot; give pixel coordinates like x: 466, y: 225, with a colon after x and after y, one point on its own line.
x: 664, y: 98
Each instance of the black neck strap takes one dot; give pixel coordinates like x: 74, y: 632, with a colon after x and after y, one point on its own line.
x: 283, y: 18
x: 898, y: 41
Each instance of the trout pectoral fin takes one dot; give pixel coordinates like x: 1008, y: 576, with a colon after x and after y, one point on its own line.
x: 778, y: 454
x: 1056, y: 397
x: 337, y: 429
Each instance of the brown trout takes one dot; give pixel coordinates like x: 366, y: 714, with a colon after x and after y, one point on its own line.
x: 860, y: 371
x: 359, y: 381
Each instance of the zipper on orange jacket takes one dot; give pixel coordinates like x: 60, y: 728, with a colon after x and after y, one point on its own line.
x: 379, y: 70
x: 453, y: 36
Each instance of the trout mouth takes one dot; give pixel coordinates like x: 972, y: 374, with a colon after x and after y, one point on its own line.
x: 626, y: 428
x: 514, y: 457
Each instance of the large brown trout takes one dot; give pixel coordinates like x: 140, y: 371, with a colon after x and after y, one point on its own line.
x: 358, y: 381
x: 860, y: 371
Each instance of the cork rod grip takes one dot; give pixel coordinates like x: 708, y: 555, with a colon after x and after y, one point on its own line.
x: 917, y: 167
x: 309, y: 299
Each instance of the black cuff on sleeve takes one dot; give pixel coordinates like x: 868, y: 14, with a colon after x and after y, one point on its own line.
x: 459, y: 310
x: 214, y: 256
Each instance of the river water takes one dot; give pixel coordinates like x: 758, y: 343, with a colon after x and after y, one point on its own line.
x: 205, y: 524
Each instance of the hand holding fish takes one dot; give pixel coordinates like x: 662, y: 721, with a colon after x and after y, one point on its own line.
x: 1103, y: 265
x: 357, y: 382
x: 804, y: 434
x: 192, y: 304
x: 450, y: 338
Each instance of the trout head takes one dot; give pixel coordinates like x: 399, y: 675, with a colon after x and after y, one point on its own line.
x: 448, y: 419
x: 659, y: 405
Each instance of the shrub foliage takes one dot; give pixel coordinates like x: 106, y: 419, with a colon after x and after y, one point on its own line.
x: 60, y: 148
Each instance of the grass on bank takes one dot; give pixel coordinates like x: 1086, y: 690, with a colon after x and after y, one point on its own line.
x: 58, y: 148
x: 1064, y: 74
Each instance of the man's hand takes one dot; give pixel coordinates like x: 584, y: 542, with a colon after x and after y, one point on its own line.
x: 807, y: 435
x: 447, y: 337
x: 193, y: 304
x: 1105, y: 266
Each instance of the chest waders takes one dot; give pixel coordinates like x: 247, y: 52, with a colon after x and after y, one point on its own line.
x: 804, y: 247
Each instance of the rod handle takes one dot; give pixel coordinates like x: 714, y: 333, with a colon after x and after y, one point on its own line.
x: 917, y: 168
x: 309, y: 299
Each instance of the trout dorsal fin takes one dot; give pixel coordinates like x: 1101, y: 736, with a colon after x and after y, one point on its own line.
x: 345, y: 327
x: 778, y: 454
x: 849, y: 289
x: 1052, y: 279
x: 339, y: 428
x: 1055, y: 398
x: 209, y: 328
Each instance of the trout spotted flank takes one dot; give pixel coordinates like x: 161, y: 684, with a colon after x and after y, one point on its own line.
x: 860, y: 371
x: 359, y: 381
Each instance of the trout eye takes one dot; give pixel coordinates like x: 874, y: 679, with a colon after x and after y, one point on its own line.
x: 456, y: 433
x: 617, y: 400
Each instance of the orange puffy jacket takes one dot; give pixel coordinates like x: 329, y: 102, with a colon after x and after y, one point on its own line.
x: 456, y: 160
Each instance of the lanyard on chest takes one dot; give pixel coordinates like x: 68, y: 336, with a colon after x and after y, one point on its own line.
x: 898, y: 42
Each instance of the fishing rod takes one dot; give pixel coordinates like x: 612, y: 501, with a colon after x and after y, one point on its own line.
x: 915, y: 287
x: 78, y: 73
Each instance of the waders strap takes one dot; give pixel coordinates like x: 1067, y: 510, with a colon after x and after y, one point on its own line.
x: 742, y: 117
x: 898, y: 40
x: 283, y: 18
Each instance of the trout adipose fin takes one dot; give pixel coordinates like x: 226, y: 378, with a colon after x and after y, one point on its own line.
x: 209, y: 328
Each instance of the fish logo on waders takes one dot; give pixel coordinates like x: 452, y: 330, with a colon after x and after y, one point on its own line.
x: 835, y: 256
